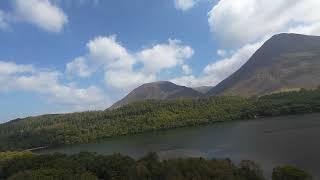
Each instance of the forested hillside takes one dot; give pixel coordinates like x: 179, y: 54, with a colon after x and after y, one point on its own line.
x: 50, y: 130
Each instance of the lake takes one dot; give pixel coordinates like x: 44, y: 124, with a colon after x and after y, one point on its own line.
x: 270, y: 142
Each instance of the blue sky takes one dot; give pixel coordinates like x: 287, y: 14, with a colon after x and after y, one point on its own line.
x: 74, y: 55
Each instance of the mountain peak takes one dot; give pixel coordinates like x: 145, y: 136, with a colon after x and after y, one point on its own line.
x: 285, y: 61
x: 160, y: 90
x: 291, y: 35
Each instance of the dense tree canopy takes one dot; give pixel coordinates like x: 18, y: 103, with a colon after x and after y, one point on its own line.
x: 57, y: 129
x: 90, y: 166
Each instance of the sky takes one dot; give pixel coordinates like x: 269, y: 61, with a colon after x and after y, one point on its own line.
x: 60, y: 56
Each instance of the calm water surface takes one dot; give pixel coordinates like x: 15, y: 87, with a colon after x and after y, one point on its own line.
x: 293, y: 140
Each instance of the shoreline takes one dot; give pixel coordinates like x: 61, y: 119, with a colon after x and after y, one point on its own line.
x: 168, y: 129
x: 37, y: 148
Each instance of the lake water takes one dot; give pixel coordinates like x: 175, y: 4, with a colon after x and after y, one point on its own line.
x: 293, y: 140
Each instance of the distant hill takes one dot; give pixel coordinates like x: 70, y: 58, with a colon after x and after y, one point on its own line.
x: 203, y: 89
x: 162, y: 90
x: 284, y: 62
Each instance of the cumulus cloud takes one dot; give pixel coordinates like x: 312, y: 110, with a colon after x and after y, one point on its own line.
x: 110, y: 53
x: 42, y: 13
x: 119, y: 64
x: 246, y: 21
x: 78, y: 67
x: 164, y: 56
x: 127, y: 80
x: 7, y: 68
x: 185, y: 5
x: 19, y: 77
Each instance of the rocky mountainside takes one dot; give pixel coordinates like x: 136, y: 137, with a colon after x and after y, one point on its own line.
x: 285, y: 62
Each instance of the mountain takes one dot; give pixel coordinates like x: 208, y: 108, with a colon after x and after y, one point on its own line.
x: 203, y: 89
x: 161, y: 90
x: 285, y: 62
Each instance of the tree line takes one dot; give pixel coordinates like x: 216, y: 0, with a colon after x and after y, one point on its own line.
x: 90, y: 166
x: 151, y: 115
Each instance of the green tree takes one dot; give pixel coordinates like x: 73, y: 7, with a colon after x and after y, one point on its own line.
x: 52, y: 174
x: 250, y: 170
x: 290, y: 173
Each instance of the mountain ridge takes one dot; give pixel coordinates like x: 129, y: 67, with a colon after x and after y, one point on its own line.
x: 285, y: 61
x: 160, y: 90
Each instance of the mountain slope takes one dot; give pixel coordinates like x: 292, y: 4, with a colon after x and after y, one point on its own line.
x: 203, y: 89
x: 161, y: 90
x: 284, y: 62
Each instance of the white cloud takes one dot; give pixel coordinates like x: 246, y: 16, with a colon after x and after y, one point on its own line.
x: 127, y: 80
x: 313, y: 29
x: 119, y: 65
x: 246, y: 21
x: 215, y: 72
x: 164, y: 56
x: 186, y: 69
x: 225, y: 67
x: 222, y: 52
x: 7, y: 68
x: 16, y: 77
x: 104, y: 53
x: 185, y: 5
x: 78, y: 67
x: 41, y: 13
x: 110, y: 53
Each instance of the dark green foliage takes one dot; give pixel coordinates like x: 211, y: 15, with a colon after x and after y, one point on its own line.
x: 50, y: 130
x: 250, y: 170
x: 52, y: 174
x: 198, y: 168
x: 289, y: 173
x: 90, y: 166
